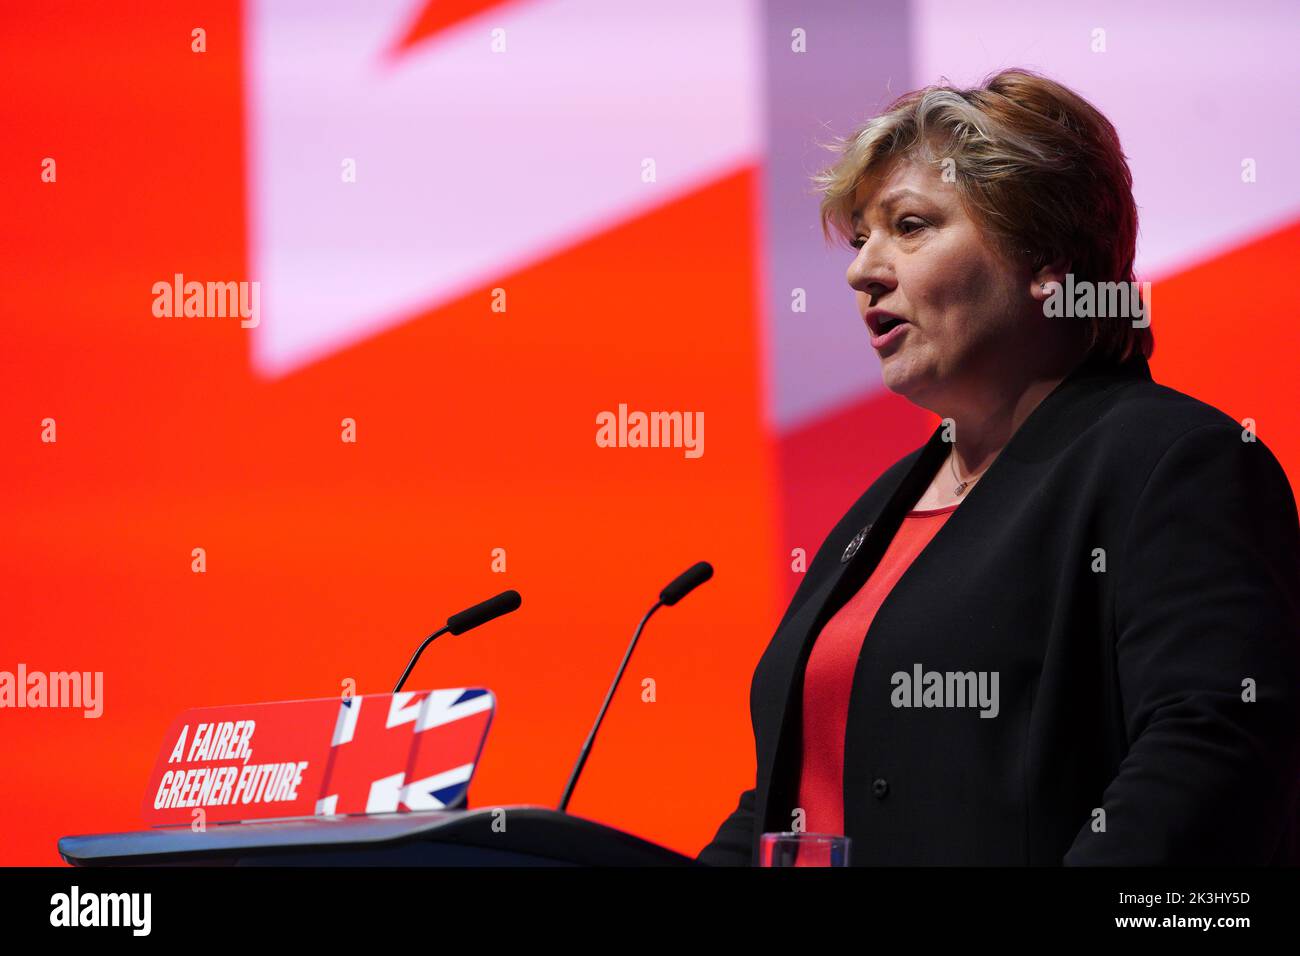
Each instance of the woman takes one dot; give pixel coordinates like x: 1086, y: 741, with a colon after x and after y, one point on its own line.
x: 1066, y: 629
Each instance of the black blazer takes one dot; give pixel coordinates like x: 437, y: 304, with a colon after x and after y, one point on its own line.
x: 1130, y: 568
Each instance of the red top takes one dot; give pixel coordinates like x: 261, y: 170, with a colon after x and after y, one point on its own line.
x: 828, y: 680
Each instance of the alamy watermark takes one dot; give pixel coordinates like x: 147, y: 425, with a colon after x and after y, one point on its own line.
x: 922, y: 688
x: 75, y: 908
x: 1098, y: 300
x: 211, y: 300
x: 71, y: 689
x: 635, y: 429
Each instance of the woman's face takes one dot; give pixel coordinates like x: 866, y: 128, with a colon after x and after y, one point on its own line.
x: 969, y: 312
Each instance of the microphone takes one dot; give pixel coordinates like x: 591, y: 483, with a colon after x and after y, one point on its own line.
x: 465, y: 620
x: 493, y: 607
x: 686, y: 582
x: 682, y: 585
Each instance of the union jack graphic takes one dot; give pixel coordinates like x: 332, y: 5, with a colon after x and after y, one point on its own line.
x: 399, y: 752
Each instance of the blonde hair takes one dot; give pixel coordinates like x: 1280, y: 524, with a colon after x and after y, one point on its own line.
x: 1037, y: 166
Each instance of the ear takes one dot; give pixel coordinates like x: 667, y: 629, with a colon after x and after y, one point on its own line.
x: 1042, y: 278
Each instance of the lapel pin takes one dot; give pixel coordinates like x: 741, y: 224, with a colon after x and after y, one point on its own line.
x: 855, y: 544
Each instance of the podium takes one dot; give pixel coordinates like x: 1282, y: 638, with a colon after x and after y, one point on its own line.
x: 489, y: 836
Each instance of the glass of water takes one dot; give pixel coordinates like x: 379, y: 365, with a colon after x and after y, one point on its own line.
x: 803, y: 849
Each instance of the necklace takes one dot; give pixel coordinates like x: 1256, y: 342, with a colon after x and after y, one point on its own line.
x: 962, y: 485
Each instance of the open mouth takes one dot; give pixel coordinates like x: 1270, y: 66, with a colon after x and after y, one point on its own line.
x: 881, y: 323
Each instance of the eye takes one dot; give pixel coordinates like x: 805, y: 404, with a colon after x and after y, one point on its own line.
x: 906, y: 226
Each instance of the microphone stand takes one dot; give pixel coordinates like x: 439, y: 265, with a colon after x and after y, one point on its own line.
x: 586, y: 747
x: 418, y: 651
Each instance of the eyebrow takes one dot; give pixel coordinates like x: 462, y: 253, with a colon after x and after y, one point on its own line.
x: 888, y: 203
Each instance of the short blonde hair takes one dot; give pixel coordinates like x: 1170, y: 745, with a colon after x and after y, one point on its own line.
x: 1037, y: 166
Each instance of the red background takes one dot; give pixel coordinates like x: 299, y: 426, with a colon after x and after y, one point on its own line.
x: 329, y: 561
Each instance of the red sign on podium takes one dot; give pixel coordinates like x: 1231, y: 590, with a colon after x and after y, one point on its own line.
x: 379, y: 753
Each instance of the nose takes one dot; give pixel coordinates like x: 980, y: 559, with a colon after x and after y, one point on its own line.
x: 869, y: 273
